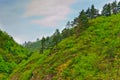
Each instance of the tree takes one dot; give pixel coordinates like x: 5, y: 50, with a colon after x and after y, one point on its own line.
x: 56, y: 37
x: 94, y: 12
x: 114, y: 7
x: 65, y: 33
x: 42, y: 45
x: 106, y: 10
x: 75, y: 22
x: 37, y: 39
x: 47, y: 42
x: 109, y: 9
x: 82, y: 22
x: 68, y: 25
x: 118, y: 7
x: 88, y: 13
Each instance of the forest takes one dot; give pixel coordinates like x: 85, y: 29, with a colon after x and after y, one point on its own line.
x: 88, y: 48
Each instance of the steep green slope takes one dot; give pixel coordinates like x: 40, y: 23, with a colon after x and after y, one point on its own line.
x: 94, y: 55
x: 10, y: 54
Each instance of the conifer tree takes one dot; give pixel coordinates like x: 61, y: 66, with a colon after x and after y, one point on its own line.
x: 75, y: 22
x: 114, y: 7
x: 82, y: 22
x: 68, y: 25
x: 56, y: 37
x: 88, y: 13
x: 106, y: 10
x: 109, y: 9
x: 118, y: 7
x: 65, y: 33
x: 47, y: 42
x: 42, y: 45
x: 94, y: 12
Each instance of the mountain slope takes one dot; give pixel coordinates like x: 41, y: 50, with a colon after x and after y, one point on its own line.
x: 93, y: 55
x: 11, y: 54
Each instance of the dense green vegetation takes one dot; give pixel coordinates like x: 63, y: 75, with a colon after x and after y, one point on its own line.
x: 87, y: 49
x: 11, y: 54
x: 75, y: 27
x: 93, y: 55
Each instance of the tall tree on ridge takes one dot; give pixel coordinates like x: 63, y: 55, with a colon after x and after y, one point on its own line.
x: 106, y: 10
x: 118, y: 7
x: 93, y: 13
x: 114, y: 7
x: 88, y: 13
x: 42, y: 45
x: 109, y: 9
x: 65, y: 33
x: 68, y: 25
x: 56, y: 37
x: 82, y: 22
x: 75, y: 22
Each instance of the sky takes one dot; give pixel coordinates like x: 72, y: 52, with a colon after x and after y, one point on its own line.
x: 27, y: 20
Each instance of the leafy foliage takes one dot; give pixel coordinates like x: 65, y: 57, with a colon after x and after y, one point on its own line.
x: 11, y: 54
x: 92, y: 55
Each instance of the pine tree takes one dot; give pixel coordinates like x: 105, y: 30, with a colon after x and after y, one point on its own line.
x: 47, y: 41
x: 118, y: 7
x: 88, y: 13
x: 68, y: 25
x: 109, y: 9
x: 75, y: 22
x: 82, y: 22
x: 65, y: 33
x: 83, y: 19
x: 114, y: 7
x: 106, y: 10
x: 94, y: 12
x: 42, y: 45
x: 56, y: 37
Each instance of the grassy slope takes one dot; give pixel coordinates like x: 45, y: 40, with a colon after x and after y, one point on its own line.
x: 10, y: 54
x: 94, y: 55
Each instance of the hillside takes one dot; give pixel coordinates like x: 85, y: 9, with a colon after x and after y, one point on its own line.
x: 11, y: 54
x: 94, y: 55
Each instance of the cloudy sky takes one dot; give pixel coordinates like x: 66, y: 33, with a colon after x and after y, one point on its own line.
x: 27, y: 20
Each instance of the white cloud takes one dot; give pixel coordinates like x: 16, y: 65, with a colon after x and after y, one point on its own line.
x: 52, y: 11
x: 50, y: 20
